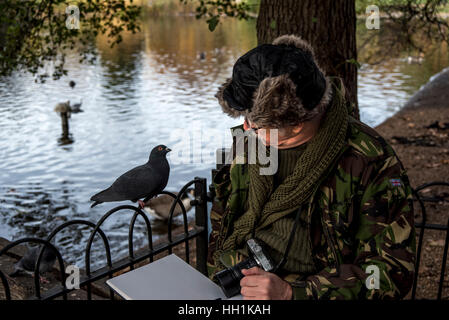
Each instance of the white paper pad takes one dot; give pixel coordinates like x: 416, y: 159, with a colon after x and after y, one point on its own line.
x: 169, y: 278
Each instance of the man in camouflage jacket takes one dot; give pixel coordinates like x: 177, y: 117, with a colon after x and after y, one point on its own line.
x: 360, y: 220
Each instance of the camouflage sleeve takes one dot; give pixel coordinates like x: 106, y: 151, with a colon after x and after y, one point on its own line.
x: 222, y: 185
x: 384, y: 243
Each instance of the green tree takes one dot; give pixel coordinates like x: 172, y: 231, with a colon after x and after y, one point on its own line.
x: 410, y: 26
x: 34, y: 34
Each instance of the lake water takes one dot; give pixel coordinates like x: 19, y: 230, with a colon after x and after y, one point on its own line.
x: 157, y: 87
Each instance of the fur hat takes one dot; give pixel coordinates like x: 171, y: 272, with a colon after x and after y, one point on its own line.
x: 276, y: 85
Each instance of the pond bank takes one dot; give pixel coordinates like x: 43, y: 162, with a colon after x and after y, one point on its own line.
x: 419, y: 132
x: 419, y: 135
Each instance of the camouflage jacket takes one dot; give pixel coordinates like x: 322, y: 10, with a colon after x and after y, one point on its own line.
x: 361, y: 221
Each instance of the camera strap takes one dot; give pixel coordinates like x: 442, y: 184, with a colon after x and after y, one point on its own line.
x: 289, y: 243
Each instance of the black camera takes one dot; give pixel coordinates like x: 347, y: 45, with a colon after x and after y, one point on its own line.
x: 229, y: 279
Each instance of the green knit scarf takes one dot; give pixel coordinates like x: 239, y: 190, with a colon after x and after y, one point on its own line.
x: 266, y: 205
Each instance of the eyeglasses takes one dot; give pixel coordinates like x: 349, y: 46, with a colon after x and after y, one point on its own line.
x: 281, y: 133
x: 254, y: 129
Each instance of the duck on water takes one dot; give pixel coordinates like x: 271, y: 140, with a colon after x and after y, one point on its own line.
x: 159, y: 207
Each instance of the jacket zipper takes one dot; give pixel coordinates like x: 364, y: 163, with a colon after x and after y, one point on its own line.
x: 331, y: 243
x: 325, y: 228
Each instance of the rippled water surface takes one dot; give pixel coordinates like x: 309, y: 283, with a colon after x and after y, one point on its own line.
x: 156, y: 87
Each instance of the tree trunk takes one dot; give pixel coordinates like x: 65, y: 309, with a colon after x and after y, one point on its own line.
x: 328, y: 25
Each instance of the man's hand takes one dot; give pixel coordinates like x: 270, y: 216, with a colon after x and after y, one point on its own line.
x: 258, y: 284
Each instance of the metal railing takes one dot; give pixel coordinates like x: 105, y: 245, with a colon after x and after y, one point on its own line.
x: 198, y: 232
x: 423, y: 226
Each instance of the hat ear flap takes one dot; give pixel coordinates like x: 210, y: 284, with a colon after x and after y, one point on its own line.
x: 276, y: 103
x: 234, y: 113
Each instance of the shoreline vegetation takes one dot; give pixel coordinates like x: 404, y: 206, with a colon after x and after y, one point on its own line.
x: 176, y: 6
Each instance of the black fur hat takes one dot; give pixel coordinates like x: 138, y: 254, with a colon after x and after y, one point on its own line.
x: 276, y: 85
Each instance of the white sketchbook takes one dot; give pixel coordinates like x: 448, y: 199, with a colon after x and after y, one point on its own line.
x: 169, y: 278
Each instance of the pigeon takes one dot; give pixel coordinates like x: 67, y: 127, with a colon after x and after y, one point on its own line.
x: 159, y: 207
x: 144, y: 181
x: 28, y: 262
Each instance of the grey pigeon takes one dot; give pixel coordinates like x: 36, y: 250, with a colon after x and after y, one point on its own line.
x: 144, y: 181
x: 28, y: 261
x: 159, y: 207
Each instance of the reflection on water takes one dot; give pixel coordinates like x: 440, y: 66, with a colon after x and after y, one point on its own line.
x: 138, y: 95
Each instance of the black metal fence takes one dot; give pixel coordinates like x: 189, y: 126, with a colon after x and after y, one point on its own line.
x: 199, y: 232
x: 423, y: 225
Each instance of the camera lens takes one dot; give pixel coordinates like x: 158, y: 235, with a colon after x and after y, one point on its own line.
x: 229, y: 279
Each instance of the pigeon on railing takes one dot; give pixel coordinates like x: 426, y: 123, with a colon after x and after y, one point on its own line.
x: 28, y: 262
x: 144, y: 181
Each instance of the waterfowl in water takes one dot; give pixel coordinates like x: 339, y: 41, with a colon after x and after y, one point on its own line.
x: 159, y: 207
